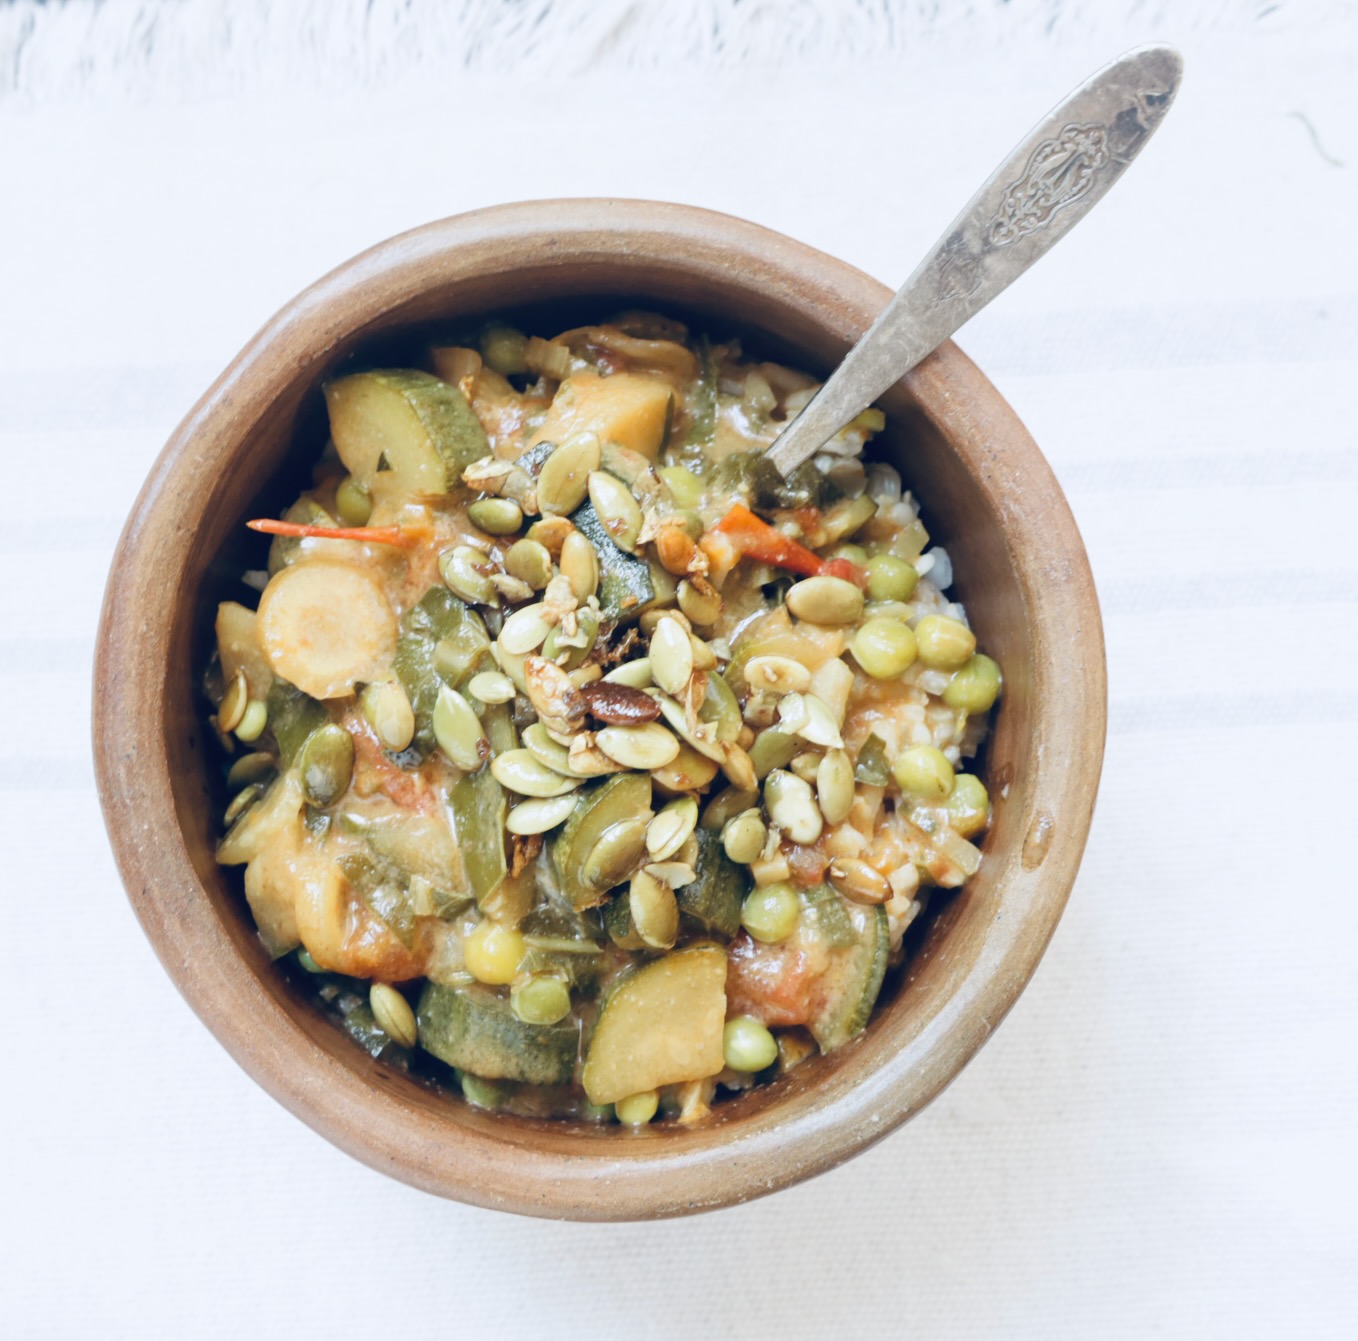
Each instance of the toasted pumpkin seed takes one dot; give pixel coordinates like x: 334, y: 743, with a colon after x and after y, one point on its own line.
x: 253, y: 722
x: 234, y: 703
x: 652, y: 618
x: 587, y: 760
x: 725, y: 806
x: 688, y: 771
x: 777, y: 675
x: 744, y: 836
x: 530, y: 562
x: 858, y: 881
x: 614, y: 857
x: 460, y: 568
x: 490, y: 687
x: 387, y: 709
x: 580, y: 565
x: 738, y: 767
x: 671, y: 656
x: 643, y: 747
x: 458, y: 731
x: 703, y: 737
x: 806, y: 716
x: 256, y: 767
x: 496, y: 516
x: 671, y: 827
x: 620, y: 704
x: 772, y: 749
x: 577, y: 646
x: 825, y: 600
x: 791, y: 806
x: 524, y: 631
x: 618, y: 510
x: 241, y: 802
x: 551, y: 533
x: 636, y: 673
x: 522, y: 772
x: 702, y: 607
x: 393, y: 1014
x: 563, y: 481
x: 704, y: 658
x: 546, y: 750
x: 541, y: 814
x: 806, y: 765
x: 654, y: 910
x: 675, y: 874
x: 326, y: 763
x: 834, y: 786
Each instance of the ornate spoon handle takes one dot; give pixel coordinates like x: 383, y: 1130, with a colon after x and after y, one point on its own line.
x: 1045, y: 187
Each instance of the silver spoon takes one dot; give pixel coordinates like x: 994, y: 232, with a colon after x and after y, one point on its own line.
x: 1045, y: 187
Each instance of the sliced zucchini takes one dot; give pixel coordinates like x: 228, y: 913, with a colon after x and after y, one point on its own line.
x: 475, y: 1030
x: 293, y: 716
x: 420, y: 426
x: 661, y: 1025
x: 478, y: 804
x: 626, y: 587
x: 439, y: 630
x: 829, y: 913
x: 713, y: 900
x: 849, y: 987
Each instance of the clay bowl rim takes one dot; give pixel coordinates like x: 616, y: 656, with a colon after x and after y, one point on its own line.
x: 437, y: 1143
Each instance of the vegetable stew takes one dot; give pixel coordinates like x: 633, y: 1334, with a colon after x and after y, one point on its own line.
x: 573, y: 753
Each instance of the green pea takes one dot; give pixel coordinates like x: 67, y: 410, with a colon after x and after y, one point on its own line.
x: 747, y: 1045
x: 496, y: 516
x: 975, y: 687
x: 884, y: 647
x: 482, y: 1093
x: 923, y: 771
x: 542, y: 999
x: 353, y: 503
x: 943, y: 643
x: 685, y: 487
x: 637, y: 1109
x: 890, y: 578
x: 770, y: 913
x: 589, y: 1112
x: 968, y: 805
x: 503, y: 349
x: 307, y: 962
x: 855, y: 554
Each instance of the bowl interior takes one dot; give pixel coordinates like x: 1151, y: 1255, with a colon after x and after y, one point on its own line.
x: 247, y: 449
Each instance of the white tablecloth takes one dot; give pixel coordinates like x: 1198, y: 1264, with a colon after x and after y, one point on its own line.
x: 1161, y: 1137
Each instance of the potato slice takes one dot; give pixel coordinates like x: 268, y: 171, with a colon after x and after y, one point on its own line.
x: 238, y: 648
x: 628, y: 409
x: 661, y: 1026
x: 325, y: 626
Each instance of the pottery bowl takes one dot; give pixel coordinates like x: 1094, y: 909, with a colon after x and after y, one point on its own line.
x: 989, y: 496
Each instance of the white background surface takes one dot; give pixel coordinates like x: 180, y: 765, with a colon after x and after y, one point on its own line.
x: 1161, y: 1138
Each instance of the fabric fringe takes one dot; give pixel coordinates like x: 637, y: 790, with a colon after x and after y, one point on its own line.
x: 148, y: 50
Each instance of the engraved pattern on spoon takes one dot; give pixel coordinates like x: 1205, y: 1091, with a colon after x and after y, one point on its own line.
x: 1058, y: 173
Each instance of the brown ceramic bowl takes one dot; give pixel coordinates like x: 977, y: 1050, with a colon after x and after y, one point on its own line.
x: 989, y: 497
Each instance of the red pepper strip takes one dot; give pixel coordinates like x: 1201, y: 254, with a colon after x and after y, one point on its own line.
x: 756, y: 539
x: 373, y: 535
